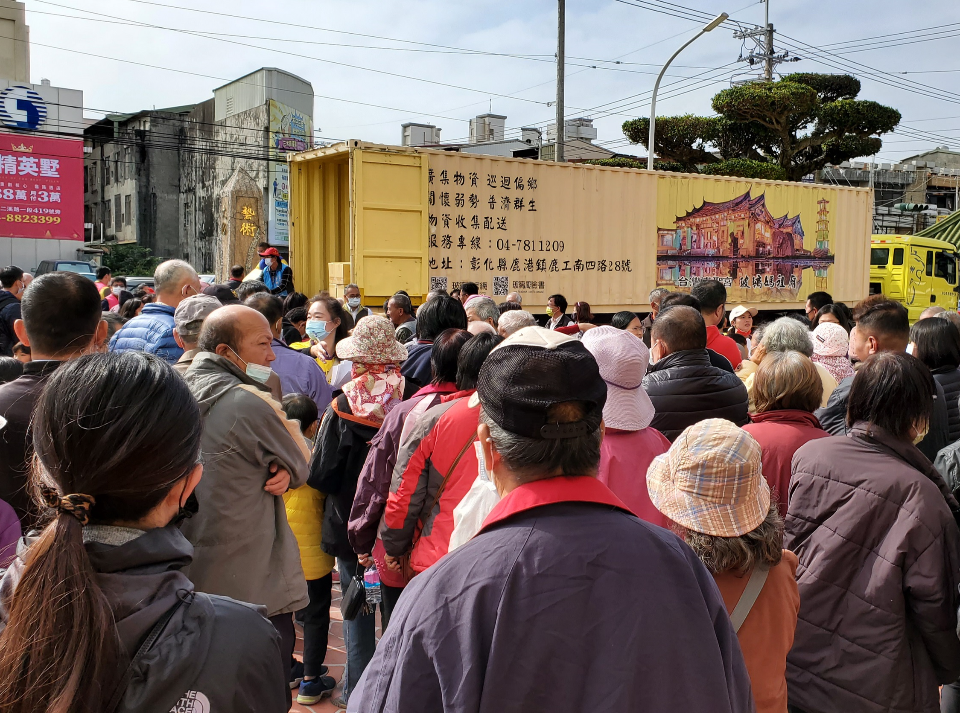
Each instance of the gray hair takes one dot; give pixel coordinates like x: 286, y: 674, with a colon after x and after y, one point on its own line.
x: 951, y: 316
x: 170, y: 275
x: 519, y: 299
x: 114, y: 320
x: 351, y: 286
x: 532, y: 459
x: 402, y: 302
x: 786, y: 334
x: 513, y: 320
x: 656, y: 294
x: 486, y: 308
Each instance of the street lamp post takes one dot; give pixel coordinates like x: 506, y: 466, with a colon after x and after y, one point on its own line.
x: 653, y: 102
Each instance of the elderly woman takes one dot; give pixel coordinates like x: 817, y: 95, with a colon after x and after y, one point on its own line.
x: 786, y: 391
x: 629, y: 443
x: 710, y: 485
x: 873, y: 525
x: 788, y: 335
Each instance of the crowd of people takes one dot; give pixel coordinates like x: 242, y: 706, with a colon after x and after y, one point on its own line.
x: 689, y: 511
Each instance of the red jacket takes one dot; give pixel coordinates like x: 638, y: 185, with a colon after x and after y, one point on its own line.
x: 780, y: 434
x: 726, y: 346
x: 624, y: 459
x: 424, y: 459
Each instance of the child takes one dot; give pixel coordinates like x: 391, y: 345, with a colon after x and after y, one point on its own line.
x: 22, y: 352
x: 305, y: 516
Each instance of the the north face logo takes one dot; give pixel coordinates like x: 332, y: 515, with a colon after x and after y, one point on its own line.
x: 193, y: 701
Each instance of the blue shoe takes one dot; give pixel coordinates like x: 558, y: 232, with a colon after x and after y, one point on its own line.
x: 313, y: 691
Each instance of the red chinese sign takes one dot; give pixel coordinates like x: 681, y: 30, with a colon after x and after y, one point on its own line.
x: 41, y: 187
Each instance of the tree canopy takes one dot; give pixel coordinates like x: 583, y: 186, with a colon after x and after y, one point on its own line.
x: 133, y: 260
x: 785, y: 129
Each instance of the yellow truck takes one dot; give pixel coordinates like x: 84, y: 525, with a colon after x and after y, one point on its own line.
x: 390, y: 218
x: 919, y: 272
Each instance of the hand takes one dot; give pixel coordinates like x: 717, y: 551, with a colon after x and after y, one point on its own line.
x: 392, y: 562
x: 365, y: 560
x: 316, y: 349
x: 279, y: 480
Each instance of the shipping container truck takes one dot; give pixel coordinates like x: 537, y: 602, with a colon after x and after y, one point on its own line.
x: 390, y: 218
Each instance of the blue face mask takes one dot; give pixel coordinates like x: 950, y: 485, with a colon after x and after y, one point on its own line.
x: 317, y: 330
x: 259, y: 373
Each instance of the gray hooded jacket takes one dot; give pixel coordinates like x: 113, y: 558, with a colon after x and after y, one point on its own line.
x: 244, y: 547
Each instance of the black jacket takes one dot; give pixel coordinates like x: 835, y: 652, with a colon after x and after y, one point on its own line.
x: 949, y: 379
x: 9, y: 312
x: 214, y: 655
x: 563, y: 322
x: 685, y: 389
x: 833, y: 417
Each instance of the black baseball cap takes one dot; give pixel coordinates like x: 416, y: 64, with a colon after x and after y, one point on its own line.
x: 531, y: 371
x: 222, y: 293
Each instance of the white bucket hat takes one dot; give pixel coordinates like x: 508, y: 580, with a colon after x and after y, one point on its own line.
x: 623, y: 360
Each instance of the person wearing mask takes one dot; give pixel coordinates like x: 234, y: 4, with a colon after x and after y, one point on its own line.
x: 557, y: 313
x: 741, y: 328
x: 514, y: 320
x: 654, y: 298
x: 373, y: 485
x: 712, y: 296
x: 304, y: 507
x: 482, y: 309
x: 346, y: 429
x: 277, y: 275
x: 188, y: 319
x: 436, y: 315
x: 629, y: 443
x: 831, y: 343
x: 352, y: 300
x: 152, y: 330
x: 710, y: 486
x: 236, y: 277
x: 874, y: 527
x: 682, y: 384
x: 788, y: 335
x: 118, y: 441
x: 493, y: 625
x: 786, y: 391
x: 118, y: 295
x: 835, y: 313
x: 11, y: 282
x: 298, y: 372
x: 815, y: 301
x: 400, y: 312
x: 327, y: 324
x: 61, y: 321
x: 626, y: 320
x: 936, y: 343
x: 244, y: 546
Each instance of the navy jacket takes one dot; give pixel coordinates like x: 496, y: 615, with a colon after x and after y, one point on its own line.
x: 565, y: 602
x: 150, y: 332
x: 417, y: 365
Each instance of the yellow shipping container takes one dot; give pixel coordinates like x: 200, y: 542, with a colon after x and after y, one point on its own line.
x: 418, y: 219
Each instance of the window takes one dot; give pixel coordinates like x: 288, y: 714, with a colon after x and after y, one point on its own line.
x: 126, y: 209
x: 898, y: 256
x: 879, y: 256
x: 117, y: 213
x: 946, y: 267
x: 929, y: 263
x: 107, y: 214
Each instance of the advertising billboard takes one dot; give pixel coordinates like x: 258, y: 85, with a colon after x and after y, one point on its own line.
x: 290, y: 131
x: 41, y: 187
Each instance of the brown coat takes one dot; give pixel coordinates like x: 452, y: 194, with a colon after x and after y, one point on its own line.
x: 871, y: 522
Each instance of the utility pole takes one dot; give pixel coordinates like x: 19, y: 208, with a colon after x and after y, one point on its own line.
x: 561, y: 32
x: 768, y: 50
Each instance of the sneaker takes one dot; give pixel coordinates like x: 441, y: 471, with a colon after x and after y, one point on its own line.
x: 313, y: 691
x: 296, y: 675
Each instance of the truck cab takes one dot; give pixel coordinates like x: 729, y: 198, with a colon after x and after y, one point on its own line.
x: 918, y: 272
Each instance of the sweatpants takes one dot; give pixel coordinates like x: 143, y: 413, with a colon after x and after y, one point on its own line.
x: 316, y: 624
x: 288, y: 642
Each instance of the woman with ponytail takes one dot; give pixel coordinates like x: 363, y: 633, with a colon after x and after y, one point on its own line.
x: 97, y: 615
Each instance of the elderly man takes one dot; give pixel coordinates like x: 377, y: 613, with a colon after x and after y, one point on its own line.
x: 514, y: 297
x: 298, y: 372
x: 789, y: 335
x: 244, y: 548
x: 653, y: 298
x: 188, y: 318
x: 490, y: 627
x: 514, y: 320
x: 152, y: 330
x: 400, y: 312
x: 482, y: 309
x: 352, y: 302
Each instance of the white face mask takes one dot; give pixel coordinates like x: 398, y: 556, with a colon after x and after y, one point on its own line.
x: 353, y: 302
x: 116, y: 290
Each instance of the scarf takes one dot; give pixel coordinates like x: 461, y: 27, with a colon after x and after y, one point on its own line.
x: 374, y: 390
x: 839, y: 367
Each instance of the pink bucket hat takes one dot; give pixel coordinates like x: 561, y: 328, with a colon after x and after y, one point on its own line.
x: 373, y: 342
x: 830, y: 340
x: 710, y: 480
x: 623, y: 359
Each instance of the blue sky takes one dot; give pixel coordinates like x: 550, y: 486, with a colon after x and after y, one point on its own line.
x: 408, y: 78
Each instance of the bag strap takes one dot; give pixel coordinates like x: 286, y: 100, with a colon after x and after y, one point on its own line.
x: 145, y: 646
x: 750, y: 594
